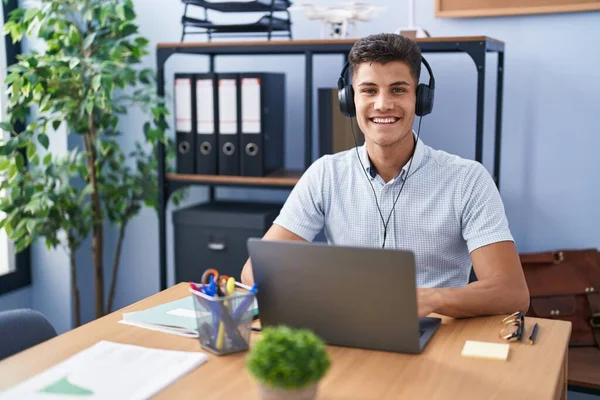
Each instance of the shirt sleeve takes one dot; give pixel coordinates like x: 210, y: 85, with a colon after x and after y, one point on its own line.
x: 302, y: 212
x: 483, y: 217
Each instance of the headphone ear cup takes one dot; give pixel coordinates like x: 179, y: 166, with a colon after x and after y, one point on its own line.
x: 346, y: 101
x: 424, y: 103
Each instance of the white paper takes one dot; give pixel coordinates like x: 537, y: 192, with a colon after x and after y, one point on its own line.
x: 205, y: 108
x: 161, y: 328
x: 183, y: 105
x: 182, y: 312
x: 251, y: 105
x: 227, y: 107
x: 109, y: 370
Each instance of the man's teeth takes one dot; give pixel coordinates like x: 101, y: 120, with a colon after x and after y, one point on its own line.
x: 384, y: 120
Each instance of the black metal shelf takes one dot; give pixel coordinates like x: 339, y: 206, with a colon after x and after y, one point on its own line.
x: 245, y: 6
x: 268, y: 25
x: 264, y: 24
x: 476, y: 47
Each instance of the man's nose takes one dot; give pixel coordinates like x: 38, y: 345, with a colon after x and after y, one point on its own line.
x: 383, y: 102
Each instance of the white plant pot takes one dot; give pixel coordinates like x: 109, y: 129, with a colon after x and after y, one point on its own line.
x: 270, y: 393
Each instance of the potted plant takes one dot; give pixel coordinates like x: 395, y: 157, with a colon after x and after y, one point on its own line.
x: 288, y: 363
x: 87, y: 75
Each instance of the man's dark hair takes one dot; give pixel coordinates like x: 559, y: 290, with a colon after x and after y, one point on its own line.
x: 385, y: 47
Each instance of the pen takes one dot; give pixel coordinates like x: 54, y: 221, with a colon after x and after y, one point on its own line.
x: 533, y: 334
x: 227, y: 291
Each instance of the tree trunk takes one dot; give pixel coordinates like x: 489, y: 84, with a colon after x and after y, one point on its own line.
x: 97, y: 228
x: 115, y: 270
x: 74, y: 289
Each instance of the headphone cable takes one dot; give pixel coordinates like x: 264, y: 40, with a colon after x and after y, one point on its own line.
x: 386, y: 223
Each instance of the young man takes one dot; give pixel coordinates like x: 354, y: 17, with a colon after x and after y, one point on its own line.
x: 447, y: 211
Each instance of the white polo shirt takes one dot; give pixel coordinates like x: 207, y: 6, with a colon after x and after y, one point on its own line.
x: 449, y: 206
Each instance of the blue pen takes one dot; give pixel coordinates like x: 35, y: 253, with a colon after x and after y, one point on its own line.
x: 213, y: 286
x: 243, y: 306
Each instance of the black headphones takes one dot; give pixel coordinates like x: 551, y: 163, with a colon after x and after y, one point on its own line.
x: 424, y: 94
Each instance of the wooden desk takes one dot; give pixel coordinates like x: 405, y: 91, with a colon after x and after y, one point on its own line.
x: 531, y: 372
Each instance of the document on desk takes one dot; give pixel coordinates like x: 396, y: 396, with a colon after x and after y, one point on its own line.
x: 109, y: 371
x: 177, y: 317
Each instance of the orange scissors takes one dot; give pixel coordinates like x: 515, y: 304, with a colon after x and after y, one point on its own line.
x: 220, y: 280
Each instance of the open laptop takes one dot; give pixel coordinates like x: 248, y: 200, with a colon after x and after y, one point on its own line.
x: 354, y: 297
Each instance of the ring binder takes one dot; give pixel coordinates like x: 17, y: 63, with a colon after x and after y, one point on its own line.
x: 263, y: 123
x: 184, y: 123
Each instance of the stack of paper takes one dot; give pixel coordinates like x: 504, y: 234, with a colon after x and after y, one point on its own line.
x: 109, y: 371
x: 178, y: 317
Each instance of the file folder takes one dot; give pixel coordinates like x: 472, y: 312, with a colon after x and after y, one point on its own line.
x: 263, y: 123
x: 184, y: 123
x: 206, y: 142
x: 335, y: 132
x: 229, y: 124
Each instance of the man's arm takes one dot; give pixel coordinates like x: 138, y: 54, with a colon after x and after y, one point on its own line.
x: 275, y: 232
x: 501, y: 287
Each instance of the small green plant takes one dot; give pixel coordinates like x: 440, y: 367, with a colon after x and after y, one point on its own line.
x: 287, y: 358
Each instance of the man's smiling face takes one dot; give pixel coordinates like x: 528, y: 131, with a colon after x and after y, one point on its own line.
x: 384, y: 96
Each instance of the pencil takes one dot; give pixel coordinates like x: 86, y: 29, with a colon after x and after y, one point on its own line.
x: 533, y: 334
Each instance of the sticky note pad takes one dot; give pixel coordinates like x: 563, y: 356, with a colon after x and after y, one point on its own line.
x: 487, y: 350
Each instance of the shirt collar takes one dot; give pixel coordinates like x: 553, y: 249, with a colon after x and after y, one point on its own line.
x: 417, y: 159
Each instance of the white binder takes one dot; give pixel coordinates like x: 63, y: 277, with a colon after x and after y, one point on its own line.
x: 184, y: 136
x: 227, y: 107
x: 229, y: 142
x: 206, y: 142
x: 251, y: 105
x: 205, y: 107
x: 183, y: 104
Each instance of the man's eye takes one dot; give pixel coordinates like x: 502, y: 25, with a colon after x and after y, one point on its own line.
x: 399, y: 90
x: 368, y: 91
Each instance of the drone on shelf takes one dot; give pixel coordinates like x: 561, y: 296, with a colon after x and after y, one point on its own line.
x: 338, y: 18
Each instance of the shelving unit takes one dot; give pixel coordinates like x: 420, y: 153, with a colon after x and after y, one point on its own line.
x: 476, y: 47
x: 268, y: 24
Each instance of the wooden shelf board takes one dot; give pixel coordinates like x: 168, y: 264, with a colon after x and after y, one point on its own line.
x: 284, y: 178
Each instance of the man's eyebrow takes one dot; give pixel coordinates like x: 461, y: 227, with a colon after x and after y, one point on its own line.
x: 397, y: 83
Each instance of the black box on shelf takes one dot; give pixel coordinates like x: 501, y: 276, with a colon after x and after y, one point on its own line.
x: 214, y: 235
x: 335, y: 131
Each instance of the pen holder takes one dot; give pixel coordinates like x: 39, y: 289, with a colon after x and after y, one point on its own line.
x: 224, y: 323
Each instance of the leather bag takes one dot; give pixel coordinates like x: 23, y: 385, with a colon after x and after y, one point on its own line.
x: 565, y: 285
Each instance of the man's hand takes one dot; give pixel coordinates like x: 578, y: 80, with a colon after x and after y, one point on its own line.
x: 427, y: 301
x: 500, y: 289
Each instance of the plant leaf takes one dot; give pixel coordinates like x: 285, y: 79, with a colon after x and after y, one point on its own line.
x: 30, y: 150
x: 89, y: 39
x: 20, y: 161
x: 44, y: 141
x: 7, y: 126
x: 96, y: 82
x: 120, y: 9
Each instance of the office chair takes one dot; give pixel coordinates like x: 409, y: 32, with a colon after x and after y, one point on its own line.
x: 21, y: 329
